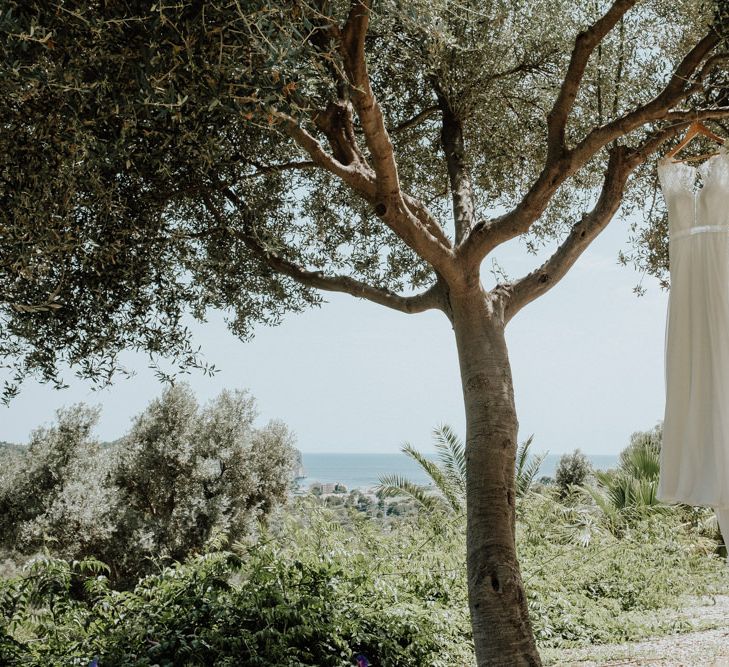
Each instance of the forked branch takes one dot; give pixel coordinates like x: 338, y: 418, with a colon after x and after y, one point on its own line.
x: 403, y: 215
x: 562, y: 165
x: 621, y: 164
x: 585, y: 44
x: 355, y: 175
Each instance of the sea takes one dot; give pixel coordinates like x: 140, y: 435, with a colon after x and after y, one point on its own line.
x: 363, y: 471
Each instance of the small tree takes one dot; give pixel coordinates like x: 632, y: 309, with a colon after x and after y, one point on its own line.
x: 183, y: 472
x: 158, y: 494
x: 43, y: 485
x: 572, y: 470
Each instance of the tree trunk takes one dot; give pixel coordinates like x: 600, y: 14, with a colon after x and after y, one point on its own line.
x: 502, y: 631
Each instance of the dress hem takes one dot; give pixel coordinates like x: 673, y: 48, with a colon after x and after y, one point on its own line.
x: 693, y: 502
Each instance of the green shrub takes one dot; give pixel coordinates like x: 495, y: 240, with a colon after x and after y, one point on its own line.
x: 316, y: 590
x: 587, y: 586
x: 183, y: 473
x: 305, y: 598
x: 572, y: 470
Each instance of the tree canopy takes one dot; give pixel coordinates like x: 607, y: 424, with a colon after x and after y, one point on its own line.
x: 158, y: 159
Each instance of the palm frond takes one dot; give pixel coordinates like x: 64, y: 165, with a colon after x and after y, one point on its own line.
x: 452, y: 454
x: 526, y: 468
x: 391, y: 486
x: 605, y: 477
x: 522, y: 452
x: 607, y: 506
x: 450, y: 488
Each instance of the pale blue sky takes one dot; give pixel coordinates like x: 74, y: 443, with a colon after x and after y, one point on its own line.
x: 587, y: 360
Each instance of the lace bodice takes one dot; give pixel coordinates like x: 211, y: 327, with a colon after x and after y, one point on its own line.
x: 690, y: 205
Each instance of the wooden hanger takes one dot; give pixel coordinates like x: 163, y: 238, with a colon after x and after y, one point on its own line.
x: 695, y: 129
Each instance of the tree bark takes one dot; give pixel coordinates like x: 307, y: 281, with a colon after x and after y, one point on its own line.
x: 502, y: 630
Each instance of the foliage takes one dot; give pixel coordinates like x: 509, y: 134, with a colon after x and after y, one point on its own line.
x: 54, y: 476
x: 641, y: 457
x: 527, y: 467
x: 161, y: 159
x: 448, y: 474
x: 181, y: 475
x: 630, y: 491
x: 311, y: 596
x: 572, y: 470
x: 315, y: 591
x: 587, y: 586
x: 10, y: 448
x: 123, y: 123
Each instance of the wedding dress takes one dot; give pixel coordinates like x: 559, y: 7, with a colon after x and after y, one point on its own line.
x: 695, y: 449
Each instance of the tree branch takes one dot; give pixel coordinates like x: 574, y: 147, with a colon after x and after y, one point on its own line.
x: 581, y: 235
x: 430, y: 299
x: 585, y: 44
x: 356, y: 175
x: 337, y: 123
x: 557, y: 169
x: 367, y: 106
x: 451, y: 137
x: 420, y: 232
x: 675, y: 91
x: 263, y: 169
x: 685, y: 117
x: 622, y: 163
x: 415, y: 120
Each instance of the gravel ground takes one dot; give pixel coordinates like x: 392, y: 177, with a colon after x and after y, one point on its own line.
x: 708, y: 646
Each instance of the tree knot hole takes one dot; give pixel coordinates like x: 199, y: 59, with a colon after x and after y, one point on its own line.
x: 495, y: 583
x: 544, y: 278
x: 380, y: 209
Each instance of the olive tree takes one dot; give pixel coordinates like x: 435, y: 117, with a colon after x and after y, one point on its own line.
x: 182, y: 475
x: 163, y: 158
x: 53, y: 477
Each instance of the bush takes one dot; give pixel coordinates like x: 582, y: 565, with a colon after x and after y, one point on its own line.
x: 319, y: 586
x: 314, y: 592
x: 52, y: 489
x: 309, y: 596
x: 572, y: 470
x: 181, y: 475
x: 628, y: 493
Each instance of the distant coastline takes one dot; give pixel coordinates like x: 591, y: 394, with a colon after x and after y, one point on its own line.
x: 356, y: 470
